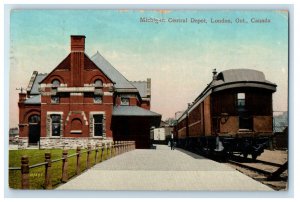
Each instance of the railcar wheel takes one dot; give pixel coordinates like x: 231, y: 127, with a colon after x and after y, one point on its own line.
x: 245, y: 155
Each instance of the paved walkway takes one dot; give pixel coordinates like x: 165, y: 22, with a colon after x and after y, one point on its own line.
x: 162, y: 169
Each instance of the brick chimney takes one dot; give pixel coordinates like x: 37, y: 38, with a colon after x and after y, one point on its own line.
x: 77, y: 59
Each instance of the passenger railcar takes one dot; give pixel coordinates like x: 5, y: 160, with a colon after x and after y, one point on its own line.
x: 233, y: 114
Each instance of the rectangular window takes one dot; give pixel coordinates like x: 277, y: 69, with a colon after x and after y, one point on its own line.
x: 98, y: 124
x: 124, y: 101
x: 54, y: 99
x: 98, y: 99
x: 55, y: 124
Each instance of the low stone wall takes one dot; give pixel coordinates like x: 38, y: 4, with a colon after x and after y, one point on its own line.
x: 71, y: 143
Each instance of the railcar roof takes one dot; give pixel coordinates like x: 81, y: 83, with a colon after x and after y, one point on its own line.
x: 233, y: 78
x: 239, y: 75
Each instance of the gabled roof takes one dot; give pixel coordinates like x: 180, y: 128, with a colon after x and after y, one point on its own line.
x: 141, y: 86
x: 33, y: 100
x: 115, y: 75
x: 66, y: 64
x: 132, y: 111
x: 35, y: 87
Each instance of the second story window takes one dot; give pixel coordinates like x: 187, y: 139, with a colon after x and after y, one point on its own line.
x: 98, y: 99
x: 98, y: 83
x: 55, y: 83
x: 54, y: 99
x: 124, y: 101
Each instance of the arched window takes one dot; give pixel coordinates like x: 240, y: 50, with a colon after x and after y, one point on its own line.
x: 98, y: 83
x: 55, y: 83
x: 34, y: 119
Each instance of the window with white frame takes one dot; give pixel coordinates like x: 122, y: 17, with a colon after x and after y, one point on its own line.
x: 98, y: 124
x: 55, y: 124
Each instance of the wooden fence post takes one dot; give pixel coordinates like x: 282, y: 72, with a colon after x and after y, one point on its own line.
x: 108, y: 151
x: 48, y: 180
x: 64, y: 177
x: 88, y: 164
x: 78, y: 170
x: 111, y: 149
x: 121, y: 147
x: 117, y: 148
x: 96, y: 153
x: 25, y: 172
x: 102, y: 151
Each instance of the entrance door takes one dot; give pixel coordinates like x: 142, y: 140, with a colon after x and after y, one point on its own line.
x: 34, y: 129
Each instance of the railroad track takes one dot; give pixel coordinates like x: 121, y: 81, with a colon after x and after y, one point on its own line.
x: 254, y: 168
x: 269, y: 169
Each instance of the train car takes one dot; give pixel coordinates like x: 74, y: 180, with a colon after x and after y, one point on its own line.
x: 233, y: 114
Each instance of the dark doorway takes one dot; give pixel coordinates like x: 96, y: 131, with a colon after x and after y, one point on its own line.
x: 34, y: 129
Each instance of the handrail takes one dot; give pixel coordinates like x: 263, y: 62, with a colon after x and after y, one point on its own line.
x: 14, y: 168
x: 38, y: 165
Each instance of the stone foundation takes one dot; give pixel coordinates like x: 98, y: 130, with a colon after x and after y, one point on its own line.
x: 64, y: 142
x: 70, y: 143
x: 22, y: 142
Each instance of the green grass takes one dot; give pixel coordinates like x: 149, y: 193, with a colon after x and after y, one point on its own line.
x: 37, y: 175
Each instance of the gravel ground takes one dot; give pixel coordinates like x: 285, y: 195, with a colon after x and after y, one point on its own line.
x: 163, y: 169
x: 274, y: 156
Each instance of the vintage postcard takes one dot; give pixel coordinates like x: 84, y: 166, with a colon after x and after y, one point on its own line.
x: 149, y: 100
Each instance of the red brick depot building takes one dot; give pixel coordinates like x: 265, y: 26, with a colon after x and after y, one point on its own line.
x: 84, y: 100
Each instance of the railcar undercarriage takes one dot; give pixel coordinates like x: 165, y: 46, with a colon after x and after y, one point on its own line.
x: 226, y: 146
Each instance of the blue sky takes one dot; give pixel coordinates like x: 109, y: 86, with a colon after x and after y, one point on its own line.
x: 178, y: 57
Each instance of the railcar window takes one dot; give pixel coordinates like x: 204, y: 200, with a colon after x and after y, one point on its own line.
x: 241, y: 100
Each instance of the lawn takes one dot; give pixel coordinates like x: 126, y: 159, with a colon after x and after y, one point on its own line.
x: 37, y: 175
